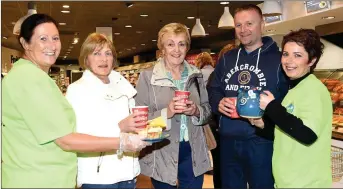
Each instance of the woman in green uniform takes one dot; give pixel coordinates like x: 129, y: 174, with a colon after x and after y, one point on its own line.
x: 38, y: 138
x: 302, y: 143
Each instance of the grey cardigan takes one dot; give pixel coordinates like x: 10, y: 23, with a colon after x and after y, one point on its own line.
x: 154, y: 89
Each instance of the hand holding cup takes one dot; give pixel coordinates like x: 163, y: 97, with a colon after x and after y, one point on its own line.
x: 227, y: 106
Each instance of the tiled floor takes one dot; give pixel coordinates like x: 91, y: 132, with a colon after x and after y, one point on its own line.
x: 144, y: 182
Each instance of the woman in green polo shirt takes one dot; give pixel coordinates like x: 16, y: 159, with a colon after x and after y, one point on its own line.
x: 302, y: 144
x: 38, y: 138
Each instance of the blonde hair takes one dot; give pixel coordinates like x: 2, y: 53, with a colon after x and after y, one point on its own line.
x: 204, y: 59
x: 93, y: 41
x: 225, y: 49
x: 175, y: 28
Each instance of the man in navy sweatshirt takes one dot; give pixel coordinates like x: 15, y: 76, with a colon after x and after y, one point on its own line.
x: 246, y: 155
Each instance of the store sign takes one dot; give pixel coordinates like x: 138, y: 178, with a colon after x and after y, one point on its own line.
x: 316, y: 5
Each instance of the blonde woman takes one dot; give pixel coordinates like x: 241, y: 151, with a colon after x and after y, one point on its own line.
x: 101, y: 99
x: 183, y: 159
x: 205, y: 62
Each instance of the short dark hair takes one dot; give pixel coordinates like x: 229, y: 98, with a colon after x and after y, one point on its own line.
x: 31, y: 22
x: 249, y: 7
x: 310, y: 40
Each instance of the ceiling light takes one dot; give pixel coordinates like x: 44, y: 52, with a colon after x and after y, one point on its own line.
x: 224, y: 3
x: 66, y: 6
x: 65, y: 57
x: 65, y: 11
x: 128, y: 49
x: 133, y: 47
x: 5, y: 37
x: 117, y: 33
x: 144, y: 15
x: 226, y: 20
x: 71, y: 46
x: 270, y: 30
x: 32, y: 9
x: 271, y: 8
x: 142, y: 44
x: 328, y: 17
x: 62, y: 24
x: 76, y: 40
x: 139, y: 31
x: 190, y: 17
x: 69, y: 50
x: 128, y: 5
x: 198, y: 30
x: 212, y: 53
x: 128, y: 26
x: 154, y: 40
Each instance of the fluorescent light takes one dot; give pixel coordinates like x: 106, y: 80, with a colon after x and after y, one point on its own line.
x: 128, y: 49
x: 139, y: 31
x: 224, y: 3
x: 65, y: 57
x: 328, y: 17
x: 212, y: 53
x: 144, y: 15
x: 66, y: 6
x: 117, y: 33
x: 154, y: 40
x: 62, y: 24
x: 128, y: 26
x: 190, y: 17
x: 65, y: 11
x: 142, y: 44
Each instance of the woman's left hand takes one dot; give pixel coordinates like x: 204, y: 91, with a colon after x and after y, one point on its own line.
x: 192, y: 109
x: 265, y: 99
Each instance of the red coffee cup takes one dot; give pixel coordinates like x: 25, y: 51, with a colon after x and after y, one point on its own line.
x: 234, y: 114
x: 183, y: 94
x: 143, y: 117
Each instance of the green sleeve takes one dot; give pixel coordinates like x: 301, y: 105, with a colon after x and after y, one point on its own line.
x: 43, y: 108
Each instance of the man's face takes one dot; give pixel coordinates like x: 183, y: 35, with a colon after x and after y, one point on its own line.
x: 248, y: 26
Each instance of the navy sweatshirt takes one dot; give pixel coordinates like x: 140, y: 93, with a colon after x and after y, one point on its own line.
x: 238, y: 69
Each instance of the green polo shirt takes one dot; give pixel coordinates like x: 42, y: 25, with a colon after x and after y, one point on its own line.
x: 296, y: 165
x: 34, y: 114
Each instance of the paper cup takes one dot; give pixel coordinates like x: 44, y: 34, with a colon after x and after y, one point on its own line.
x: 183, y: 94
x: 235, y: 113
x: 143, y: 117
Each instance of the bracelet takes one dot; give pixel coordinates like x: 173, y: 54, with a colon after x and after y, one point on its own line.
x: 120, y: 150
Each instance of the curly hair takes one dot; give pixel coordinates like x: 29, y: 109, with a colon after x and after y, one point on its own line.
x: 310, y: 40
x: 225, y: 49
x: 204, y: 59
